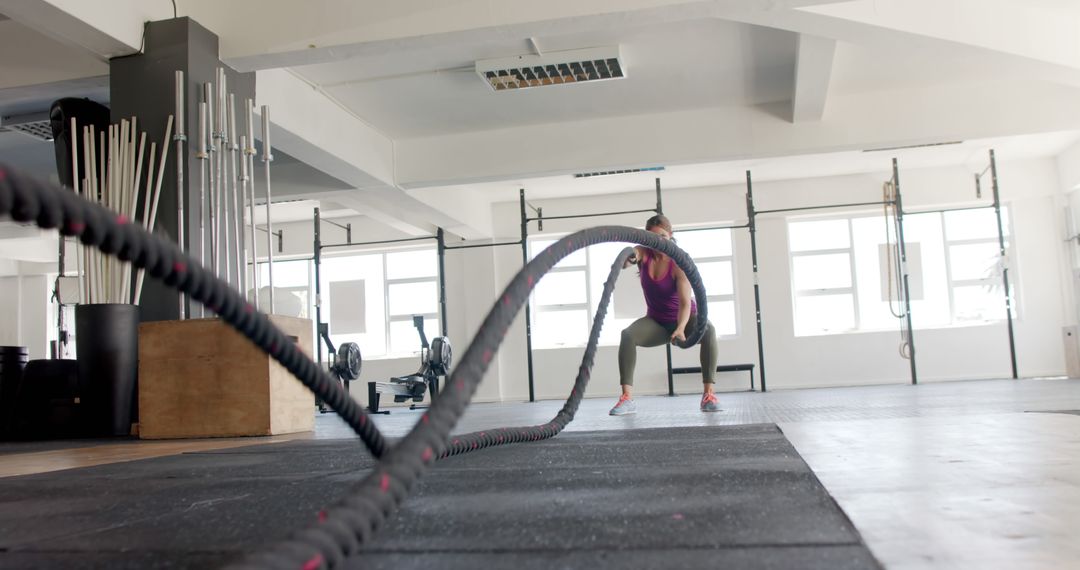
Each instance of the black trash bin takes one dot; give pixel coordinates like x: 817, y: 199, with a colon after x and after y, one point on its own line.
x: 107, y: 336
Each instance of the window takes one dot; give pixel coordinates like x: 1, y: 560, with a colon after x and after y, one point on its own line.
x: 371, y: 298
x: 565, y: 300
x: 823, y: 276
x: 845, y: 278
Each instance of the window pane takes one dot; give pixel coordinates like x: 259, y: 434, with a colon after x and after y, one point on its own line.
x: 818, y: 314
x: 410, y: 264
x: 413, y: 298
x: 831, y: 271
x: 576, y: 259
x: 562, y: 288
x: 716, y: 276
x: 706, y: 243
x: 286, y: 273
x: 722, y: 316
x: 404, y: 339
x: 561, y: 328
x: 974, y: 224
x: 974, y: 261
x: 979, y: 303
x: 368, y: 268
x: 824, y: 234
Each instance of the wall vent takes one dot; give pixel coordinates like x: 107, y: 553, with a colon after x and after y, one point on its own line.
x: 552, y: 68
x: 910, y: 146
x: 36, y: 125
x: 612, y: 172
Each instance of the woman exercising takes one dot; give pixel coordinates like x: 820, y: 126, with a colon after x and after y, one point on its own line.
x: 670, y: 312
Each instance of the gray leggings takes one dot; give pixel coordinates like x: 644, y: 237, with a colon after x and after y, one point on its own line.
x: 647, y: 332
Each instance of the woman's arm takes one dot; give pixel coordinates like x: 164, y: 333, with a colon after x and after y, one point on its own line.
x: 633, y: 259
x: 682, y: 285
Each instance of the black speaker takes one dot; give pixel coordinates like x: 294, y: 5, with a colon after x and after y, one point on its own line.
x: 86, y: 113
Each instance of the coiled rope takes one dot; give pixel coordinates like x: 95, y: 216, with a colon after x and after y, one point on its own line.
x: 344, y: 527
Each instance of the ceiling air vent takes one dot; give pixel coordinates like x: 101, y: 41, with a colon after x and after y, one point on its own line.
x: 36, y: 125
x: 552, y: 68
x: 611, y: 172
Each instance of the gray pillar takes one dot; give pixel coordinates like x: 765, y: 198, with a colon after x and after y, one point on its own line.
x: 143, y: 86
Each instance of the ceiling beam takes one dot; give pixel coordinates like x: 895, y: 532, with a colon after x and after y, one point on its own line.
x: 105, y: 28
x: 813, y: 69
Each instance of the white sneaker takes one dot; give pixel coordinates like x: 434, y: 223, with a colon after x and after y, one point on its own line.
x: 624, y: 407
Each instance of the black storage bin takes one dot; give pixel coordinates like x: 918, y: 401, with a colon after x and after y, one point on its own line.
x: 108, y: 347
x: 12, y: 362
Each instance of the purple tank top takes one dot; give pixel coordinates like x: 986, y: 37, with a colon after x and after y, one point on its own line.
x: 661, y: 295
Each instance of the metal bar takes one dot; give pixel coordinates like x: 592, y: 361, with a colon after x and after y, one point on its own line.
x: 380, y: 242
x: 202, y: 156
x: 659, y: 198
x: 267, y: 158
x: 670, y: 372
x: 237, y: 200
x: 333, y: 223
x: 223, y: 177
x: 212, y: 202
x: 249, y: 161
x: 1005, y: 269
x: 739, y: 227
x: 803, y: 208
x: 318, y: 289
x: 441, y: 249
x: 944, y: 210
x: 904, y: 270
x: 528, y: 310
x: 978, y: 186
x: 596, y: 215
x: 181, y: 191
x: 751, y: 215
x: 482, y: 245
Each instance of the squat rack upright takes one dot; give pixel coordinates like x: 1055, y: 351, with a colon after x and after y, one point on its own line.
x: 525, y: 219
x: 323, y: 329
x: 897, y: 203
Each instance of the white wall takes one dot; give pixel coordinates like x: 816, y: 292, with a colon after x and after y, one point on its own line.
x: 24, y: 302
x: 1030, y: 188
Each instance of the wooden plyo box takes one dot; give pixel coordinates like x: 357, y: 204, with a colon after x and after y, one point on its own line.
x: 202, y: 378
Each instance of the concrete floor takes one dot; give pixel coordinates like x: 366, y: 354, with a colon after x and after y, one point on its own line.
x: 980, y: 474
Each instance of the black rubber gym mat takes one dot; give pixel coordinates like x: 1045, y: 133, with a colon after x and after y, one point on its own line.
x: 733, y: 497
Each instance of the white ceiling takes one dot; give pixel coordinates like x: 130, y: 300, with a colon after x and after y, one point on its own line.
x: 973, y: 155
x: 670, y: 66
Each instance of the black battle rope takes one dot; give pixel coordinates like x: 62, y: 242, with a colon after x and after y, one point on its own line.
x: 352, y: 521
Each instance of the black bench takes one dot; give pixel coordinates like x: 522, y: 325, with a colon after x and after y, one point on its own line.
x: 720, y: 368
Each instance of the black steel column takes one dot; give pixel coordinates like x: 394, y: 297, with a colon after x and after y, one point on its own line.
x: 440, y: 240
x: 659, y: 199
x: 317, y: 249
x: 1005, y: 264
x: 528, y: 312
x: 904, y: 269
x: 751, y: 215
